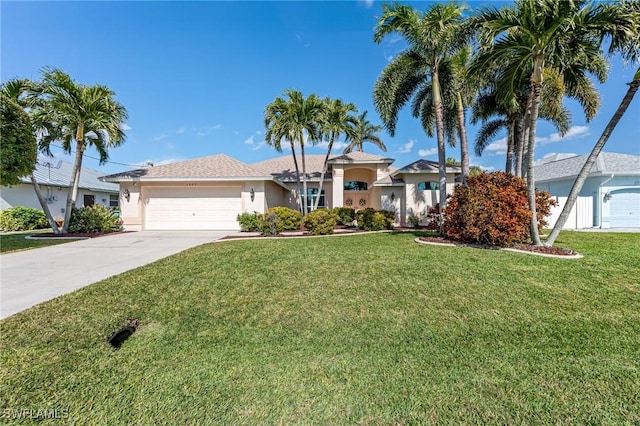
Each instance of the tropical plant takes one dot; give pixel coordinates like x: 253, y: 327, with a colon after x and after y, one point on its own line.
x: 92, y: 219
x: 628, y: 44
x: 346, y: 215
x: 18, y: 149
x: 362, y: 132
x: 82, y: 116
x: 17, y: 90
x: 290, y: 220
x: 21, y: 218
x: 320, y: 222
x: 336, y: 119
x: 295, y: 119
x: 249, y: 222
x: 493, y: 209
x: 433, y: 37
x: 538, y: 34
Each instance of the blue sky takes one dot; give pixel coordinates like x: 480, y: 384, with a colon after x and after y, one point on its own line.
x: 196, y: 77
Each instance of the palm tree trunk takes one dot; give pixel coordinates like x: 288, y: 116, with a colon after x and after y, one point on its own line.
x: 591, y: 159
x: 44, y: 205
x: 442, y: 159
x: 522, y: 138
x: 325, y: 166
x: 73, y: 185
x: 464, y: 147
x: 304, y: 177
x: 508, y: 167
x: 536, y: 90
x: 295, y: 163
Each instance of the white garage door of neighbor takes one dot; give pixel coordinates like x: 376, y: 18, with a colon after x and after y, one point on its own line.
x: 625, y: 208
x: 189, y: 208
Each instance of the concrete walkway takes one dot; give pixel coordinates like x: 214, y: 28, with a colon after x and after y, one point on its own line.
x: 33, y: 276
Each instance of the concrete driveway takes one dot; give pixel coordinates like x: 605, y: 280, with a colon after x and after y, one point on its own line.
x: 33, y: 276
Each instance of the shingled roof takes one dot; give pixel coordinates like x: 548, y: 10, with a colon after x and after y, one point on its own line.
x: 219, y: 167
x: 424, y: 166
x: 284, y: 169
x: 606, y: 163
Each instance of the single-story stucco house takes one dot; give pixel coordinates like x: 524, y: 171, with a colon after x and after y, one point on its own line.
x: 208, y: 193
x: 610, y: 197
x: 54, y: 177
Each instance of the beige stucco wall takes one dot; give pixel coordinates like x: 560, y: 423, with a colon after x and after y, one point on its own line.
x: 418, y: 202
x: 25, y: 195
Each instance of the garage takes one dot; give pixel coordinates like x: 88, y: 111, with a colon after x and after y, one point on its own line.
x: 625, y: 208
x: 192, y: 208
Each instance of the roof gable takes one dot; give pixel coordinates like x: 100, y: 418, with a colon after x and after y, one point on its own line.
x: 607, y: 162
x: 424, y: 166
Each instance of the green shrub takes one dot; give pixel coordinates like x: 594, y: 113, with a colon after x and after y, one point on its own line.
x: 249, y: 222
x: 290, y: 220
x: 270, y: 224
x: 346, y: 215
x: 414, y: 221
x: 92, y: 219
x: 320, y: 222
x: 493, y: 209
x: 22, y: 219
x: 370, y: 219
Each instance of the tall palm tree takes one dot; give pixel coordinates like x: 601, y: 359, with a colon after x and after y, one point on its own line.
x: 83, y: 116
x: 295, y: 119
x: 539, y: 34
x: 626, y: 41
x: 336, y: 119
x: 432, y: 37
x: 17, y: 90
x: 362, y: 132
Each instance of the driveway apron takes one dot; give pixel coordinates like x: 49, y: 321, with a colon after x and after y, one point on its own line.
x: 34, y: 276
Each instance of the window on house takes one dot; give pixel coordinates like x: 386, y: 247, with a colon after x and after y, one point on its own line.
x: 355, y: 185
x: 312, y: 194
x: 113, y: 201
x: 428, y: 186
x: 89, y: 200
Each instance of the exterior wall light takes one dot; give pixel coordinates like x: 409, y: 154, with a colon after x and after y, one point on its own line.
x: 607, y: 196
x: 393, y: 197
x: 253, y: 194
x: 127, y: 194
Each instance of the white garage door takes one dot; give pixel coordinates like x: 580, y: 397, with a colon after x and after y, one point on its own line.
x: 625, y: 208
x: 192, y: 208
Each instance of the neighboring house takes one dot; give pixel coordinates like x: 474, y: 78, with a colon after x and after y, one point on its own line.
x: 209, y: 192
x: 54, y: 177
x: 610, y: 197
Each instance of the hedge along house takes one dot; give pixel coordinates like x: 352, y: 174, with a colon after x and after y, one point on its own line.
x: 610, y: 197
x: 209, y: 192
x: 54, y: 177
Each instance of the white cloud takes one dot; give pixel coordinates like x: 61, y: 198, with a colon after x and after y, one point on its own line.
x: 406, y: 148
x: 124, y: 127
x: 258, y: 132
x: 259, y: 145
x: 160, y: 137
x: 427, y: 152
x: 181, y: 130
x: 337, y: 145
x: 575, y: 132
x: 367, y: 3
x: 498, y: 147
x: 249, y: 141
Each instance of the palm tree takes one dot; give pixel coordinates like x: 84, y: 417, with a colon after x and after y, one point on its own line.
x: 82, y: 116
x: 433, y: 37
x: 362, y: 132
x: 336, y: 120
x: 294, y: 119
x: 17, y: 90
x: 540, y: 34
x: 628, y: 43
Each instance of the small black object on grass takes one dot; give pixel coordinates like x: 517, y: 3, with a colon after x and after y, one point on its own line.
x: 119, y: 336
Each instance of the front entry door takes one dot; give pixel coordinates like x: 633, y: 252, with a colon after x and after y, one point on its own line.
x: 356, y: 199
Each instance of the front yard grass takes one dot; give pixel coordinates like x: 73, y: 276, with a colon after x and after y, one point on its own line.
x: 365, y: 329
x: 16, y: 241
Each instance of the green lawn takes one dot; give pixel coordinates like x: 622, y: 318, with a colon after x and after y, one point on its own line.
x: 17, y: 241
x: 366, y: 329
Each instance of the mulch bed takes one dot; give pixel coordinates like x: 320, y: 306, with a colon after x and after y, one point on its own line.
x: 557, y: 251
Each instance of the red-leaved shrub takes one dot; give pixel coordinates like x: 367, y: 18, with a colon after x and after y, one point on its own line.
x: 493, y: 209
